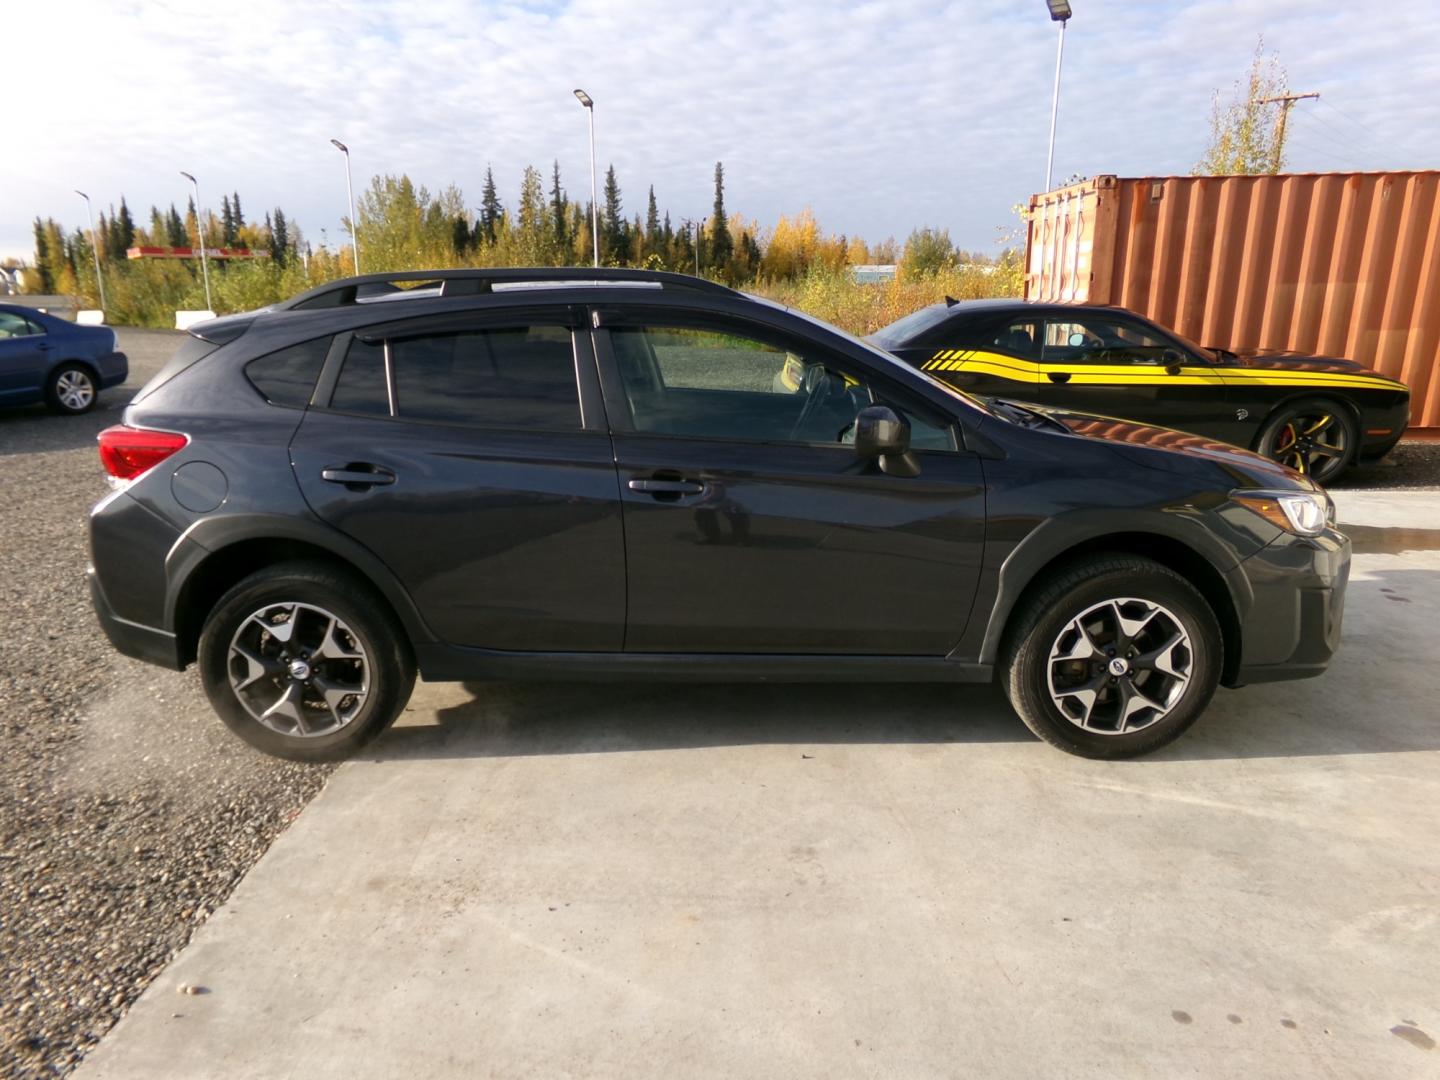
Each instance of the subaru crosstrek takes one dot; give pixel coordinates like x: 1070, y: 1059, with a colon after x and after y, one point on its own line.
x: 599, y: 474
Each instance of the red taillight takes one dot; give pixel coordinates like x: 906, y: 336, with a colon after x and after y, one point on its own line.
x: 126, y: 452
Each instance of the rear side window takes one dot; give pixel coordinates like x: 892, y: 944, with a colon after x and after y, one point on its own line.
x: 288, y: 377
x: 512, y: 378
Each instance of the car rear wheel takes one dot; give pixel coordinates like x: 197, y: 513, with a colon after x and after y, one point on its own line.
x: 305, y: 662
x: 1113, y: 657
x: 71, y: 389
x: 1316, y: 437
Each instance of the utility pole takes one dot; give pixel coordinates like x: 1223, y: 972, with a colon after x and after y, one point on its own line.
x: 1286, y: 102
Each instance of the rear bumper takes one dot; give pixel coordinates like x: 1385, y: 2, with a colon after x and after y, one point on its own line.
x: 114, y: 369
x: 141, y: 642
x: 1293, y: 627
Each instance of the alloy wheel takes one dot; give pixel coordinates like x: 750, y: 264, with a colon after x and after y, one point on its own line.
x: 1312, y: 443
x: 1119, y: 666
x: 298, y: 669
x: 74, y: 390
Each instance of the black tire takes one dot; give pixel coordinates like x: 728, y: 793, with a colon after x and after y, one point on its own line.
x: 1316, y: 436
x: 71, y: 389
x: 384, y: 671
x: 1040, y: 628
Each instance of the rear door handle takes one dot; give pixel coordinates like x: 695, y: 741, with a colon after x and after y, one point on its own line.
x: 1059, y: 376
x: 667, y: 487
x: 357, y: 475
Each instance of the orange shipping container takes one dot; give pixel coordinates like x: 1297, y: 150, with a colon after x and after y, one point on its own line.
x: 1337, y: 264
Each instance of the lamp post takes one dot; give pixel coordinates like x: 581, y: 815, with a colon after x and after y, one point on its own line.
x: 589, y: 104
x: 350, y: 190
x: 94, y: 250
x: 200, y: 227
x: 1059, y: 12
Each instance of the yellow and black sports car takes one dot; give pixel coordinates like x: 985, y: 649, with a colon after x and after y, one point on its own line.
x: 1316, y: 414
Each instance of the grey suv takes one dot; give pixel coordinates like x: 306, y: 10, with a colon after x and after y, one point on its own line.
x: 600, y: 474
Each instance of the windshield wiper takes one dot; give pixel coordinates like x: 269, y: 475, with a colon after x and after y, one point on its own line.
x: 1023, y: 416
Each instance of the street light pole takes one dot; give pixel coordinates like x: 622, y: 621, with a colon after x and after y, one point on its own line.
x: 94, y: 250
x: 200, y: 227
x: 589, y: 104
x: 1059, y: 12
x: 350, y: 190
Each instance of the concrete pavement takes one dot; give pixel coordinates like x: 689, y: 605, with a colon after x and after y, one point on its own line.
x: 698, y: 881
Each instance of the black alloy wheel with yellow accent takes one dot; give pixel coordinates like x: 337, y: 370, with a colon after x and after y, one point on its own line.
x: 1315, y: 437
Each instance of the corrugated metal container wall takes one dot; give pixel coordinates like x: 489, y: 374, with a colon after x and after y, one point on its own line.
x: 1340, y: 264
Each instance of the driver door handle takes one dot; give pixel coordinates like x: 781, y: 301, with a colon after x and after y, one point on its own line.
x: 354, y: 476
x: 667, y: 487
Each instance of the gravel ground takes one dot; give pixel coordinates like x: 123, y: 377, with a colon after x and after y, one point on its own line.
x: 127, y: 811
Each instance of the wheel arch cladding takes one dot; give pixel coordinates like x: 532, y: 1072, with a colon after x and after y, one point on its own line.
x: 221, y: 569
x: 1165, y: 550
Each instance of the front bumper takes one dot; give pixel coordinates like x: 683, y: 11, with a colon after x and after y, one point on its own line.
x: 1293, y: 627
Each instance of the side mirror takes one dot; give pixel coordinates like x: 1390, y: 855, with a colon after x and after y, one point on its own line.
x: 881, y: 434
x: 1173, y: 359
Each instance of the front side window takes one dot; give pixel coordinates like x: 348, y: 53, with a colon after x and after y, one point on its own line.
x: 1098, y: 340
x: 510, y: 378
x: 698, y: 383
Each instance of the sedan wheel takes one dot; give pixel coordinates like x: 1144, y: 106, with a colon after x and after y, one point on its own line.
x: 71, y: 389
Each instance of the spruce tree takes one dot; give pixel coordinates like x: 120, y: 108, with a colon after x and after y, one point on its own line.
x: 490, y: 208
x: 125, y: 228
x: 721, y: 245
x: 559, y: 212
x: 158, y: 226
x: 42, y: 258
x: 235, y: 214
x: 460, y: 234
x: 279, y: 238
x: 227, y: 223
x: 175, y: 228
x: 612, y: 239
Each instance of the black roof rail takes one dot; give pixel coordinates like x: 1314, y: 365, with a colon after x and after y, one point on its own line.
x: 477, y: 281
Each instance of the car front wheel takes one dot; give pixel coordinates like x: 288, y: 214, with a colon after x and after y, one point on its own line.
x: 305, y: 662
x: 1113, y: 657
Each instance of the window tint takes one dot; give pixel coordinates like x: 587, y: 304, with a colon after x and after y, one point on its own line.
x: 1098, y: 340
x: 288, y: 377
x: 361, y: 387
x: 708, y: 384
x: 1021, y: 339
x: 520, y: 378
x: 13, y: 326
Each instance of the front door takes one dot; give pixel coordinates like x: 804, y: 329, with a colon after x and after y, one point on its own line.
x: 461, y: 459
x: 1107, y: 364
x: 24, y: 354
x: 751, y: 526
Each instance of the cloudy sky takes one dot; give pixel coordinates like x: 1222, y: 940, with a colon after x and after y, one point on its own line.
x: 879, y: 116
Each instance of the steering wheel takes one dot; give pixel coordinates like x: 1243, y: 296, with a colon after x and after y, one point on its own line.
x: 817, y: 389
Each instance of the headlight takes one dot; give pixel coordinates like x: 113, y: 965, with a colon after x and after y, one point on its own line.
x: 1305, y: 513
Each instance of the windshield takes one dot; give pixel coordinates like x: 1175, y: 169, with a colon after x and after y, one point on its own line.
x: 1198, y: 350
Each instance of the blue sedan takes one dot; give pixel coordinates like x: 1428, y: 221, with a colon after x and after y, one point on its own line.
x: 43, y: 358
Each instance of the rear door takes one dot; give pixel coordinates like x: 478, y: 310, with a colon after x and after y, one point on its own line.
x: 465, y: 459
x: 24, y: 356
x: 751, y: 526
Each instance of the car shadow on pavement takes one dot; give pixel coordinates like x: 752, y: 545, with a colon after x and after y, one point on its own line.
x: 34, y: 429
x: 1362, y: 705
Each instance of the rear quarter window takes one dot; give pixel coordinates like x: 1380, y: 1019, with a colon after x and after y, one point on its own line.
x: 288, y: 377
x: 191, y: 350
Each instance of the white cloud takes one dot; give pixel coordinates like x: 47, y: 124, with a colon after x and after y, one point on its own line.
x: 879, y: 116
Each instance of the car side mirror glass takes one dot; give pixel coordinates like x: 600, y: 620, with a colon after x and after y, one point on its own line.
x: 1076, y: 340
x: 882, y: 434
